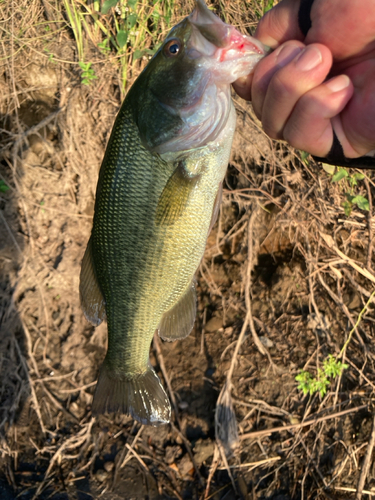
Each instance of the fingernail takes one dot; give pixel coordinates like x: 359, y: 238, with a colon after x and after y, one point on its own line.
x: 338, y: 83
x: 286, y: 54
x: 309, y: 58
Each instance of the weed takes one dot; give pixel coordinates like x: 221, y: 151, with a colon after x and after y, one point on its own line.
x: 332, y: 367
x: 75, y: 21
x: 87, y: 74
x: 267, y: 5
x: 131, y: 29
x: 349, y: 182
x: 3, y: 187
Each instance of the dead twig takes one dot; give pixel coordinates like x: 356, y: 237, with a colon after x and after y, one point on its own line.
x: 366, y: 462
x: 160, y: 358
x: 213, y: 468
x: 331, y: 244
x: 267, y: 432
x: 369, y: 225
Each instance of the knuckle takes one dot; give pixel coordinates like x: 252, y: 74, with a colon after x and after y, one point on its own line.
x: 292, y: 135
x: 270, y: 130
x: 282, y: 86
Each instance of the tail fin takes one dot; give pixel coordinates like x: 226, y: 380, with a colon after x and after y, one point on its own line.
x: 140, y: 396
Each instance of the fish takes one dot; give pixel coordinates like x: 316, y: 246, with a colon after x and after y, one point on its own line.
x: 157, y: 198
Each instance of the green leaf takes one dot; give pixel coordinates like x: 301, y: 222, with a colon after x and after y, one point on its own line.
x: 3, y: 187
x: 268, y: 6
x: 347, y: 208
x: 349, y: 197
x: 358, y: 176
x: 330, y: 169
x: 132, y: 19
x: 132, y: 4
x: 103, y: 46
x: 361, y: 202
x: 340, y: 174
x: 108, y: 4
x: 122, y: 38
x: 84, y: 66
x: 138, y: 54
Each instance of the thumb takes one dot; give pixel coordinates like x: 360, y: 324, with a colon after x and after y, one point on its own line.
x: 280, y: 24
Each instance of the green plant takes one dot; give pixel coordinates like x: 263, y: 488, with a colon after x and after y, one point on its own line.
x: 75, y: 21
x: 332, y: 366
x: 349, y: 182
x: 331, y: 369
x: 122, y: 30
x: 3, y: 187
x: 87, y: 75
x: 267, y: 5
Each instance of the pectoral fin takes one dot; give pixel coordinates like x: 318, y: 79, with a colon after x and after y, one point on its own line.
x: 175, y: 195
x: 92, y: 300
x: 178, y: 321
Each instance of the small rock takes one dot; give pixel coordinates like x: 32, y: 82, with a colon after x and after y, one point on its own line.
x: 108, y: 466
x: 228, y: 331
x: 266, y: 342
x: 179, y: 439
x: 354, y: 302
x: 101, y: 475
x: 203, y: 450
x: 316, y: 323
x: 74, y: 408
x: 214, y: 324
x: 32, y: 159
x: 186, y: 467
x: 183, y: 405
x: 172, y: 453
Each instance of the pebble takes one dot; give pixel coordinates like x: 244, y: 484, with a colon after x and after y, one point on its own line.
x: 203, y: 449
x: 101, y: 475
x: 214, y: 324
x: 108, y: 466
x: 266, y: 342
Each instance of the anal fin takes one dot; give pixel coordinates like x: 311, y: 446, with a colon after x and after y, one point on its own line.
x: 92, y: 300
x: 178, y: 321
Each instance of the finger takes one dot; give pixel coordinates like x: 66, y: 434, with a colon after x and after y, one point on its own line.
x: 243, y: 86
x: 280, y: 24
x: 309, y: 126
x: 287, y: 85
x: 356, y: 129
x: 264, y: 71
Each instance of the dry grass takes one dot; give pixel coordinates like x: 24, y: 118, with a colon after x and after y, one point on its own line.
x: 284, y: 266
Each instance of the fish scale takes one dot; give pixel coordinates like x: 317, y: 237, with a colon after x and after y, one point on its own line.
x: 156, y: 200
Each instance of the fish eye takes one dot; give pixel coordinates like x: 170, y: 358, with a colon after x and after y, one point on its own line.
x: 172, y: 48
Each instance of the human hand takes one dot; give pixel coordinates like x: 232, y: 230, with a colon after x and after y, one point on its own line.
x: 290, y: 91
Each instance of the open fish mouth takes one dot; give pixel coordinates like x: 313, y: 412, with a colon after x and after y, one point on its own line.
x: 214, y: 39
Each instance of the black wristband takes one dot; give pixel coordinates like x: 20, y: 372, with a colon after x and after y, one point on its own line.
x: 336, y: 157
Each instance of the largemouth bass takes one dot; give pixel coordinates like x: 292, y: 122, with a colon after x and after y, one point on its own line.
x: 157, y: 197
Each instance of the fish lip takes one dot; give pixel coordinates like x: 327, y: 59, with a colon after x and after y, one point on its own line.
x: 216, y: 38
x: 210, y: 25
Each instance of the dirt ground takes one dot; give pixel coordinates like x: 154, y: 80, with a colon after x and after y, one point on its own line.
x: 285, y: 271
